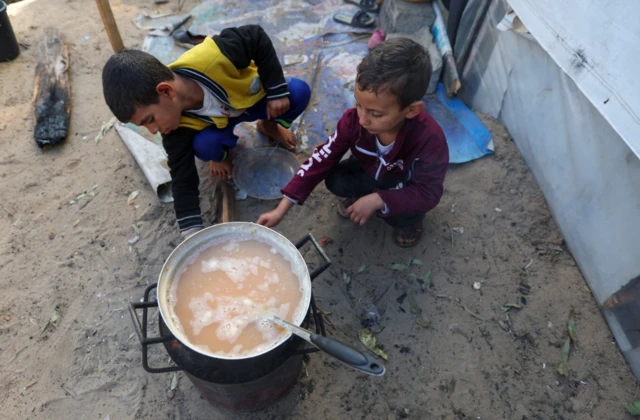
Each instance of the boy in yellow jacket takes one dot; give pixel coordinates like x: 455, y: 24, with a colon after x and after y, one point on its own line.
x: 196, y: 102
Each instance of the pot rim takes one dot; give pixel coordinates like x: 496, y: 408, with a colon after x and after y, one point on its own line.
x: 278, y: 240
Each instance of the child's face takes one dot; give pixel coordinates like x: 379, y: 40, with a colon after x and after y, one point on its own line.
x: 162, y: 117
x: 381, y: 113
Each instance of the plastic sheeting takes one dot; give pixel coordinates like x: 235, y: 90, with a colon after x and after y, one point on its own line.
x: 587, y: 172
x: 595, y: 42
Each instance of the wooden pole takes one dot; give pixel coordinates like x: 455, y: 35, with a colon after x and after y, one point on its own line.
x: 228, y: 202
x: 110, y: 25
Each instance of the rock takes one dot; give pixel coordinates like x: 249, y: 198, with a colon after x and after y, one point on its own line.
x: 399, y: 15
x: 423, y: 37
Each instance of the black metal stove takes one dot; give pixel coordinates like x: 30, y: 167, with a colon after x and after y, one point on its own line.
x: 245, y: 384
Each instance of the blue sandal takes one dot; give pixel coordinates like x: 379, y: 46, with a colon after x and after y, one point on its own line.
x: 366, y: 5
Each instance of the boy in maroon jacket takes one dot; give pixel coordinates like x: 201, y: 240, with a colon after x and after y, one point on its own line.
x: 399, y: 155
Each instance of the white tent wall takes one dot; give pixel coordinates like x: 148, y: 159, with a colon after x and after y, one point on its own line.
x: 589, y: 175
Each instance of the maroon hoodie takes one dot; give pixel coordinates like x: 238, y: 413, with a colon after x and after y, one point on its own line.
x: 418, y: 160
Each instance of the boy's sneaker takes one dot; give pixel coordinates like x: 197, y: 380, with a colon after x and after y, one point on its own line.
x: 343, y: 205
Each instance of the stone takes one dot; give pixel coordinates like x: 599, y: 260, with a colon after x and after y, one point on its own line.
x: 425, y: 38
x: 399, y: 15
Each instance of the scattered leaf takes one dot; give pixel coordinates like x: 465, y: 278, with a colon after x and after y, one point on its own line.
x: 424, y: 281
x: 362, y: 268
x: 508, y: 306
x: 477, y: 285
x: 399, y: 267
x: 458, y: 229
x: 174, y: 382
x: 633, y: 409
x: 498, y: 210
x: 85, y: 193
x: 55, y: 316
x: 104, y: 129
x: 413, y: 305
x: 76, y: 223
x: 7, y: 318
x: 370, y: 341
x: 346, y: 277
x: 473, y: 314
x: 134, y: 240
x: 415, y: 261
x: 503, y: 325
x: 563, y: 368
x: 571, y: 328
x: 132, y: 197
x: 457, y: 300
x: 422, y: 322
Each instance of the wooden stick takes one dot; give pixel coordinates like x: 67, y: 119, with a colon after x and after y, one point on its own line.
x: 228, y: 202
x: 52, y: 91
x: 110, y: 25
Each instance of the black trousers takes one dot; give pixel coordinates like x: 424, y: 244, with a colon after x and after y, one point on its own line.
x: 348, y: 180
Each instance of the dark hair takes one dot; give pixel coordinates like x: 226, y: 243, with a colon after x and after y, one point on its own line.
x: 399, y: 66
x: 129, y: 79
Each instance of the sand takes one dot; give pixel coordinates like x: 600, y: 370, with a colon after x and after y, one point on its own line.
x: 89, y: 364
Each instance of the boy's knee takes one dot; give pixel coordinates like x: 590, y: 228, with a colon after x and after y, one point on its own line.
x: 332, y: 182
x: 300, y: 92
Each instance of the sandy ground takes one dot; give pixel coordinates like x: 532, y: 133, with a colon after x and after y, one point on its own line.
x: 88, y: 365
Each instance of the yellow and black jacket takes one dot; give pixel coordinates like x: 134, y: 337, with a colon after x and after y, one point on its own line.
x: 239, y: 67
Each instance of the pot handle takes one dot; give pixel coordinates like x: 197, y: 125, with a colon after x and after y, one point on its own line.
x: 327, y: 262
x: 141, y: 331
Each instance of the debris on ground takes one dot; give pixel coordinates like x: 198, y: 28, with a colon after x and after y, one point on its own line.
x: 399, y: 267
x: 563, y: 367
x: 30, y: 385
x: 7, y: 318
x: 370, y: 341
x: 325, y: 241
x: 458, y: 229
x: 134, y: 240
x: 508, y: 306
x: 55, y: 316
x: 88, y: 192
x: 420, y: 321
x: 105, y: 129
x: 132, y: 197
x: 424, y: 281
x: 76, y: 223
x: 362, y: 268
x: 477, y: 285
x: 571, y: 328
x: 413, y: 305
x: 457, y: 300
x: 634, y: 408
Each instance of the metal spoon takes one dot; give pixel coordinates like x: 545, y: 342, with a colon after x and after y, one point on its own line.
x: 343, y: 352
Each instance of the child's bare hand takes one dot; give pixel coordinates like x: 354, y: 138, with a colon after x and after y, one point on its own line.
x: 362, y: 210
x: 270, y: 218
x: 277, y: 107
x: 221, y: 170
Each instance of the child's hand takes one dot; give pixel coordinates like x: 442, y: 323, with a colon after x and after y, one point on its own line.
x: 221, y: 170
x: 277, y: 107
x: 273, y: 217
x: 270, y: 218
x: 362, y: 210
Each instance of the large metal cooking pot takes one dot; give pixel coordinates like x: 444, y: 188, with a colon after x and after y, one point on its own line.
x: 239, y: 231
x: 215, y: 367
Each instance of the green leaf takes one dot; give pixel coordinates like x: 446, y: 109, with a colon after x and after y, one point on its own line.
x: 425, y: 280
x: 508, y: 306
x: 399, y: 267
x: 133, y: 195
x: 362, y: 268
x: 415, y: 261
x: 370, y: 341
x: 571, y: 327
x: 633, y: 409
x: 563, y: 367
x: 174, y: 382
x: 422, y: 322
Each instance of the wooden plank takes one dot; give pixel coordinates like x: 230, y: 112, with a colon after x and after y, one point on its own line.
x: 228, y: 202
x: 52, y: 91
x: 110, y: 25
